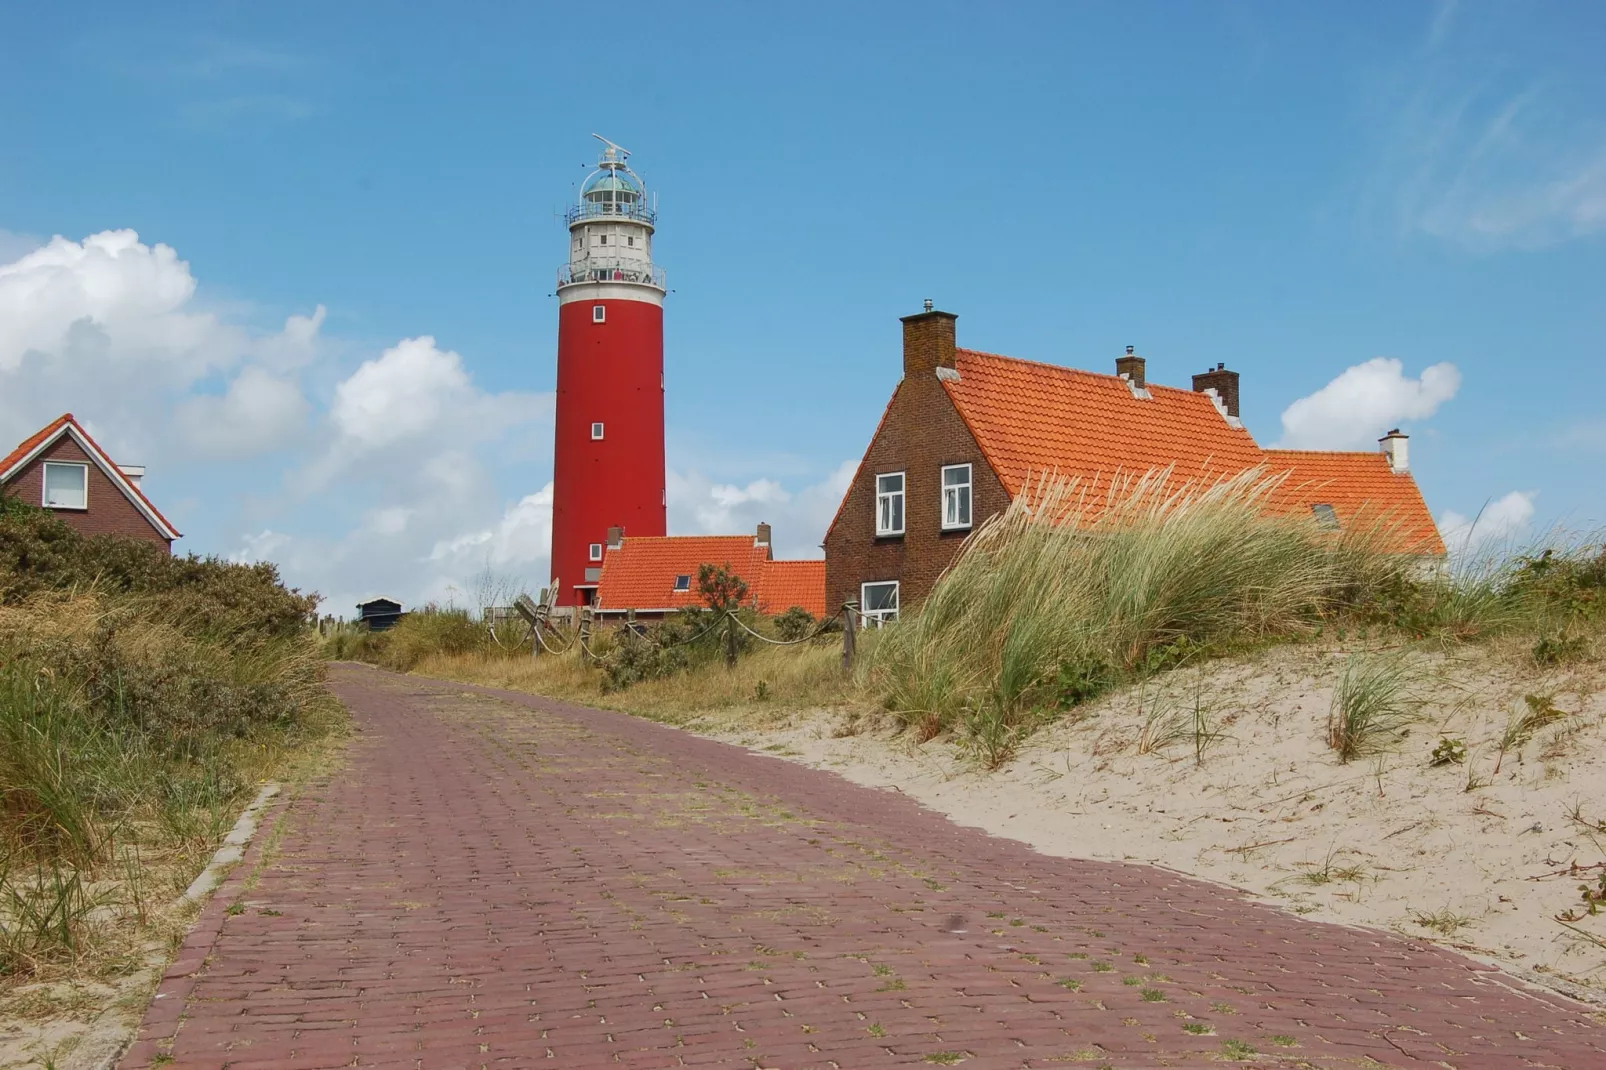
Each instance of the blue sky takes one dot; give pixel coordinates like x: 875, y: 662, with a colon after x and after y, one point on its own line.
x: 1295, y: 190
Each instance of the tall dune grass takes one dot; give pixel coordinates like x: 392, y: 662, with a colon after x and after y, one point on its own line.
x: 1063, y: 586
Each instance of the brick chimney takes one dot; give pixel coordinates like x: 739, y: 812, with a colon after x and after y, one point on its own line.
x: 762, y: 538
x: 1129, y: 366
x: 928, y: 342
x: 616, y: 538
x: 1394, y: 444
x: 1223, y: 382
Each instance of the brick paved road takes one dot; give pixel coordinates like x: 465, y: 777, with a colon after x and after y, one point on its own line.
x: 507, y: 881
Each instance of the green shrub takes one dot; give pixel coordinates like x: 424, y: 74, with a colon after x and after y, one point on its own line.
x: 794, y: 624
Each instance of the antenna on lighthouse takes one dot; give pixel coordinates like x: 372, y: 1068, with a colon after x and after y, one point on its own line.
x: 615, y: 151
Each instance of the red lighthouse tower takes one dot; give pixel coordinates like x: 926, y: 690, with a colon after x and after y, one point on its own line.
x: 609, y: 456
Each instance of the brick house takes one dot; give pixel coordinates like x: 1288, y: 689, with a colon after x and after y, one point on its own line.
x: 965, y: 431
x: 657, y: 575
x: 62, y: 469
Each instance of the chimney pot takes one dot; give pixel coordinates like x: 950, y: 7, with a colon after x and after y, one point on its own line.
x: 1223, y: 382
x: 1394, y: 448
x: 928, y: 342
x: 927, y: 304
x: 1130, y: 367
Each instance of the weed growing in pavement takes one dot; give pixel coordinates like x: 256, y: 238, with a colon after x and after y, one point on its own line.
x: 1153, y: 995
x: 1198, y: 1029
x: 1238, y: 1049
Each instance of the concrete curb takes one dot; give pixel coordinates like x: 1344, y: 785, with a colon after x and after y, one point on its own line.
x: 207, y: 881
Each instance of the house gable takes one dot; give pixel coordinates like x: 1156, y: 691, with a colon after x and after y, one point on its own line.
x: 921, y: 431
x: 113, y: 506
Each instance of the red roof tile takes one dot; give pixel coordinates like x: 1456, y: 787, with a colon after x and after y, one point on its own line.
x: 641, y: 572
x: 66, y: 424
x: 1360, y: 487
x: 1032, y: 419
x: 793, y: 583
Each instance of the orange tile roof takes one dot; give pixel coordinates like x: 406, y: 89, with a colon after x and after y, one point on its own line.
x: 640, y: 573
x: 1031, y: 419
x: 1360, y: 487
x: 66, y: 424
x: 793, y: 583
x: 33, y: 441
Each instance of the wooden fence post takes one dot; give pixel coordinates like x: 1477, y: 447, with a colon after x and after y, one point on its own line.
x: 850, y: 618
x: 730, y: 639
x: 585, y: 635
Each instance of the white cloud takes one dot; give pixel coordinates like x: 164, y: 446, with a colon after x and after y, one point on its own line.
x: 1478, y: 149
x: 258, y: 413
x: 1500, y: 521
x: 1365, y: 401
x: 522, y: 537
x: 111, y: 329
x: 698, y: 506
x: 401, y: 393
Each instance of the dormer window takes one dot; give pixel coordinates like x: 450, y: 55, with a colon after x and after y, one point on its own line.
x: 66, y: 486
x: 1326, y: 516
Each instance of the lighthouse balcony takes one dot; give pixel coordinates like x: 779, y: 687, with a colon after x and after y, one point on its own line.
x: 634, y: 210
x: 608, y: 270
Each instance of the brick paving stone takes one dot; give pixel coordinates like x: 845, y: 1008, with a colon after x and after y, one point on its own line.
x: 500, y: 880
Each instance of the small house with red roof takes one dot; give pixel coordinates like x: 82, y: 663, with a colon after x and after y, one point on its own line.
x: 965, y: 431
x: 657, y: 575
x: 62, y: 469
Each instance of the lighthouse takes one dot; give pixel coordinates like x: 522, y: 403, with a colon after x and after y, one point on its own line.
x: 608, y: 459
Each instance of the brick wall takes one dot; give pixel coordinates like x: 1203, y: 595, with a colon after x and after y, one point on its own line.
x: 109, y: 512
x: 920, y: 433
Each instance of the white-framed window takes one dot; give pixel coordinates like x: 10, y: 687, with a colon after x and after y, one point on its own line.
x: 599, y: 313
x: 596, y: 432
x: 66, y: 486
x: 596, y: 551
x: 878, y: 602
x: 683, y: 582
x: 955, y: 497
x: 889, y: 503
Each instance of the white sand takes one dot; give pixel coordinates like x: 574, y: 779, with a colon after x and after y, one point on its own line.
x: 1380, y: 841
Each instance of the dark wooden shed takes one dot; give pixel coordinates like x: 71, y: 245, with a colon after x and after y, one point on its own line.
x: 379, y: 613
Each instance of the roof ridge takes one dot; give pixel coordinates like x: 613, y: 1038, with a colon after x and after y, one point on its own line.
x: 1068, y: 369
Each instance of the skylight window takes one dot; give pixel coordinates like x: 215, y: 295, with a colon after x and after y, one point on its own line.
x: 1326, y: 516
x: 683, y: 582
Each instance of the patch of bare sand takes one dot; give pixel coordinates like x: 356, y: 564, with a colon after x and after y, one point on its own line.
x: 1456, y: 853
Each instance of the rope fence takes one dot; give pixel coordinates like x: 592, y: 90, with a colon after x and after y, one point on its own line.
x: 849, y: 615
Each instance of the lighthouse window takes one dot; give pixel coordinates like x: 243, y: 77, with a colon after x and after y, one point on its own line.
x: 596, y: 431
x: 602, y: 240
x: 596, y: 551
x: 599, y: 313
x: 631, y: 241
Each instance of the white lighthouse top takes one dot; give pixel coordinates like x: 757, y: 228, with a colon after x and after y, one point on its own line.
x: 613, y: 190
x: 610, y: 236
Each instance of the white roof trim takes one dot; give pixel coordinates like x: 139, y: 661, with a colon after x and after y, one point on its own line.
x: 104, y: 463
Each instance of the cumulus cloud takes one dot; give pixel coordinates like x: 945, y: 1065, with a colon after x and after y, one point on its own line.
x: 699, y: 506
x: 259, y: 412
x: 1365, y: 401
x: 111, y: 329
x: 1500, y: 521
x: 522, y: 537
